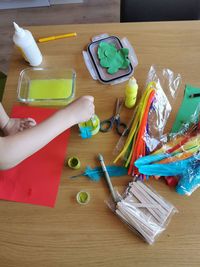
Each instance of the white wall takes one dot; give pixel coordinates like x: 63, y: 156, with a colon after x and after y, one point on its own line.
x: 11, y: 4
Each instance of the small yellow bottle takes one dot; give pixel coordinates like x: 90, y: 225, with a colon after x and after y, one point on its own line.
x: 131, y: 93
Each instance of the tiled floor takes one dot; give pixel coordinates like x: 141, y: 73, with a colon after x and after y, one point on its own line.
x: 90, y: 11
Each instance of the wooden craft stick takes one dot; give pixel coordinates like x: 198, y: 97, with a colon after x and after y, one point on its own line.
x: 140, y: 224
x: 166, y: 205
x: 155, y: 214
x: 149, y: 198
x: 140, y: 221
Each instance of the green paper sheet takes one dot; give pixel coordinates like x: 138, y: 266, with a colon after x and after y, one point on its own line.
x: 187, y: 108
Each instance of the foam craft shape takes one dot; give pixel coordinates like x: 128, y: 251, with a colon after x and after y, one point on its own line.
x: 45, y: 89
x: 36, y: 179
x: 111, y: 58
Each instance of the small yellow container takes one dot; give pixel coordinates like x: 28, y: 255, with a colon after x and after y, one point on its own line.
x: 83, y: 197
x: 74, y: 163
x: 93, y: 123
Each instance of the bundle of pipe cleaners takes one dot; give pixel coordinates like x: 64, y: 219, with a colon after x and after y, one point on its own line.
x: 179, y: 157
x: 135, y: 145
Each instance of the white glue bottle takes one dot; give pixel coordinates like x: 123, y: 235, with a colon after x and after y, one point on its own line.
x: 24, y: 40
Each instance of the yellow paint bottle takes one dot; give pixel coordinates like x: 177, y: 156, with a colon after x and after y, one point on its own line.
x: 131, y: 93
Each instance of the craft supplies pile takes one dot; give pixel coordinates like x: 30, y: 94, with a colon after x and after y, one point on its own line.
x: 179, y: 157
x: 144, y: 148
x: 148, y: 152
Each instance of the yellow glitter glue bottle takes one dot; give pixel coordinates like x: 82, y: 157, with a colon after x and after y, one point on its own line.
x: 131, y: 93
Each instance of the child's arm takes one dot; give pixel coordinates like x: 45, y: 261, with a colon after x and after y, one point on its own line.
x: 15, y: 148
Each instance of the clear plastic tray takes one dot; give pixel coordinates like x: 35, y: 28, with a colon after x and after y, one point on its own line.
x: 50, y: 86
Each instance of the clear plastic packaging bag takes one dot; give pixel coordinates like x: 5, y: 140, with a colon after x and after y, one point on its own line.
x: 167, y: 85
x: 144, y: 211
x: 150, y: 117
x: 189, y: 181
x: 178, y: 158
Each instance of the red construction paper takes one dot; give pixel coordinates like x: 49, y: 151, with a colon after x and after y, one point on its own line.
x: 36, y: 179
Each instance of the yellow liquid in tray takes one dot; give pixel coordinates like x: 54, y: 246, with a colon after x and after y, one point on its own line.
x: 50, y: 89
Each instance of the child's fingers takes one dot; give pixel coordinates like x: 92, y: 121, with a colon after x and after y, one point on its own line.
x: 31, y: 122
x: 27, y: 123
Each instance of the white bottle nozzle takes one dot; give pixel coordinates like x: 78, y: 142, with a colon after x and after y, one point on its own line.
x: 18, y: 30
x: 132, y: 81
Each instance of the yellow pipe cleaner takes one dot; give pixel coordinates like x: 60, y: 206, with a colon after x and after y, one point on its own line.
x: 136, y: 122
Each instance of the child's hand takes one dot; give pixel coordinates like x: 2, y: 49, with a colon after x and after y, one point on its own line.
x: 18, y: 125
x: 82, y: 108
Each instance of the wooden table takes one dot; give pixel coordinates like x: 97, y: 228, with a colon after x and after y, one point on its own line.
x: 91, y: 235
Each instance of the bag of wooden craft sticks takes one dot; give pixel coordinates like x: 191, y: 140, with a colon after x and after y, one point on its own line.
x: 144, y: 211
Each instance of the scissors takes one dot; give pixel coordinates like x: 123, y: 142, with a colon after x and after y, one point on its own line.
x: 108, y: 124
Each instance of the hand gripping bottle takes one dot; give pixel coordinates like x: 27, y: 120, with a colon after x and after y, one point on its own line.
x: 24, y: 40
x: 131, y: 93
